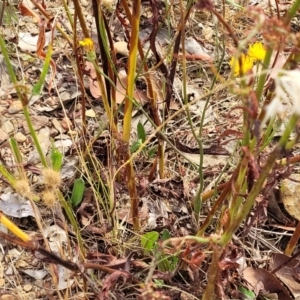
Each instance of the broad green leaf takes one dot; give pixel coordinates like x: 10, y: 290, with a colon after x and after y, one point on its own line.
x: 167, y: 262
x: 148, y: 240
x: 77, y: 193
x: 141, y: 132
x: 136, y: 145
x: 165, y: 234
x: 152, y: 151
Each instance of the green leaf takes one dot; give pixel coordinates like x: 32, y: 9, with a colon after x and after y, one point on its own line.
x: 38, y: 86
x: 56, y: 159
x: 152, y: 151
x: 16, y: 151
x: 148, y: 240
x: 160, y: 283
x: 164, y: 264
x: 141, y: 132
x: 167, y: 262
x: 9, y: 177
x: 77, y: 193
x: 249, y: 295
x: 7, y: 61
x: 165, y: 234
x: 18, y: 157
x: 136, y: 145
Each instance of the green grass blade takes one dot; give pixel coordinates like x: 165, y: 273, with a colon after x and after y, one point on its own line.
x: 38, y: 86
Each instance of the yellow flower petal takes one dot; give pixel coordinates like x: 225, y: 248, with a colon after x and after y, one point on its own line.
x: 87, y: 44
x: 257, y: 51
x: 246, y: 65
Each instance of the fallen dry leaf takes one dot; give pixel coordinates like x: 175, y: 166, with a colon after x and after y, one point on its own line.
x: 288, y: 274
x: 262, y: 281
x: 110, y: 282
x: 26, y: 10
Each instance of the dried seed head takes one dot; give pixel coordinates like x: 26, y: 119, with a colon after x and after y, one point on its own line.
x: 49, y: 198
x: 51, y: 178
x: 22, y: 188
x: 276, y: 33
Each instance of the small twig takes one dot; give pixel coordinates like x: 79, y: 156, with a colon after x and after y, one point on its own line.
x: 2, y: 11
x: 53, y: 258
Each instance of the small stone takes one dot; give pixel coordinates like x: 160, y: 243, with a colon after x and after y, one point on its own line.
x: 66, y: 123
x: 18, y: 121
x: 9, y: 271
x: 90, y: 113
x: 3, y: 136
x: 2, y: 281
x: 21, y: 264
x: 78, y: 123
x: 8, y: 127
x: 15, y: 107
x: 27, y: 287
x: 37, y: 121
x: 58, y: 126
x: 53, y: 132
x: 121, y: 48
x: 72, y: 133
x: 8, y: 297
x: 63, y: 145
x: 62, y: 137
x: 20, y: 137
x: 52, y: 102
x: 35, y: 179
x: 44, y: 139
x: 78, y: 106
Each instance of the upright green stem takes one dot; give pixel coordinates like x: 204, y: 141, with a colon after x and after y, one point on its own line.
x: 135, y: 23
x: 262, y: 78
x: 244, y: 211
x: 34, y: 136
x: 292, y: 11
x: 73, y: 221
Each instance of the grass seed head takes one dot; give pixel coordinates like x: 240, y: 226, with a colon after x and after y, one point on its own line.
x: 22, y: 188
x: 49, y: 198
x: 51, y: 178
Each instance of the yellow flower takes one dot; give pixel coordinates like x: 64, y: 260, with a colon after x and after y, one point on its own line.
x: 257, y: 51
x: 87, y: 44
x: 247, y: 65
